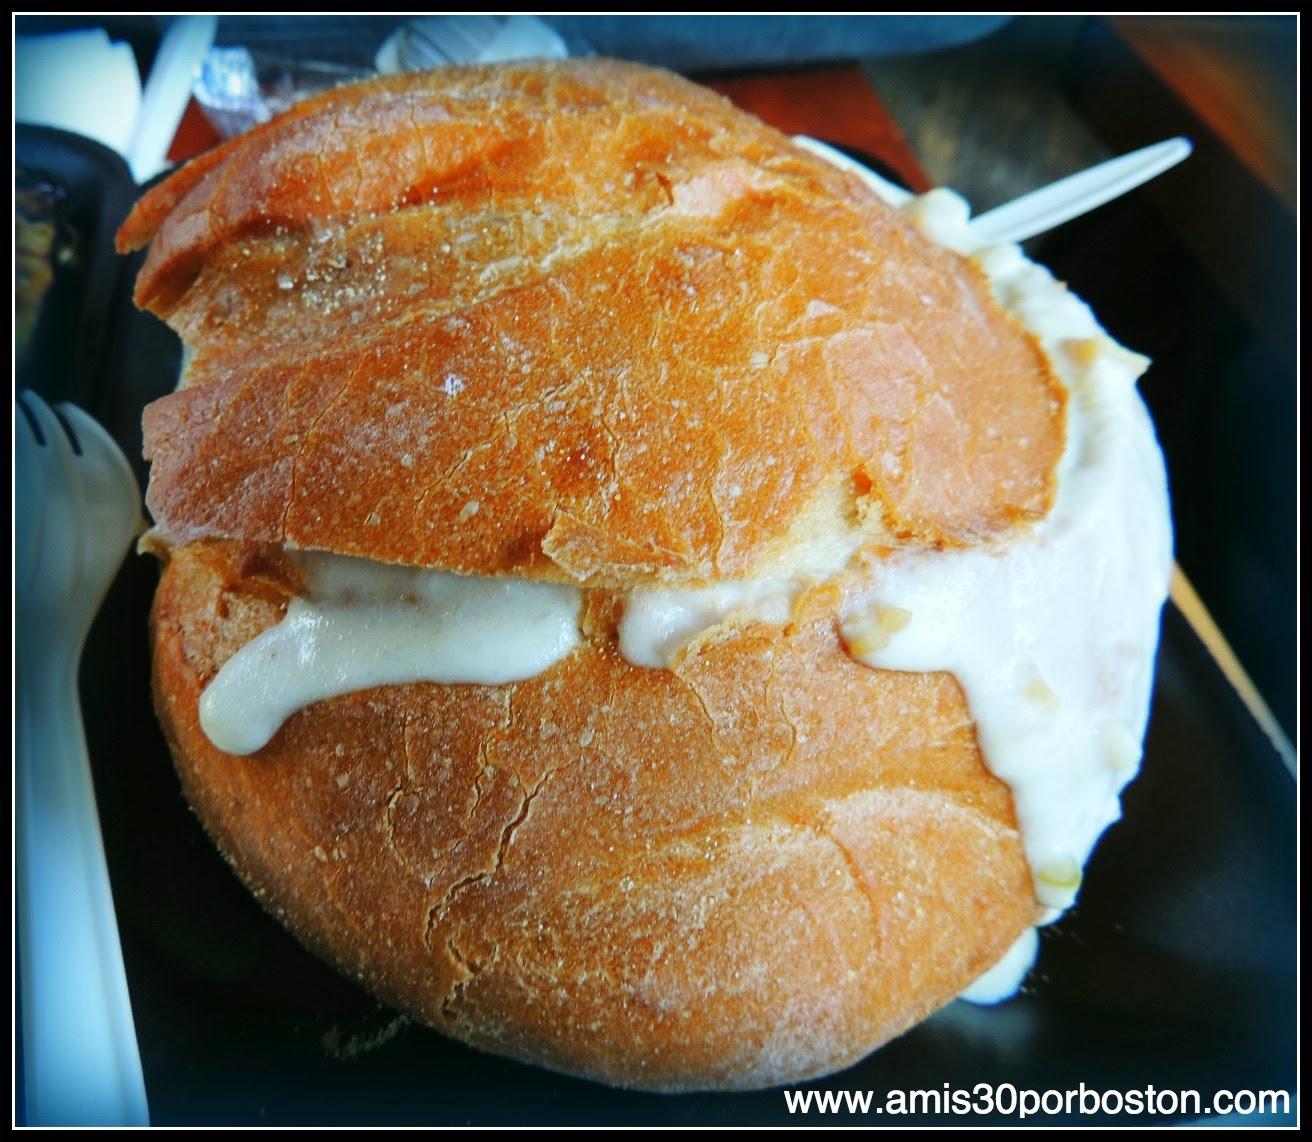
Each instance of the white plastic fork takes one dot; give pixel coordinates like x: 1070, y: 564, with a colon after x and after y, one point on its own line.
x: 76, y: 510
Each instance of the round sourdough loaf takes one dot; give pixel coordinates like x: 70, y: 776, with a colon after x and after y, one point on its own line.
x: 586, y: 322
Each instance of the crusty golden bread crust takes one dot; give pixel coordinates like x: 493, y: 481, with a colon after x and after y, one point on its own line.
x: 583, y: 321
x: 748, y: 870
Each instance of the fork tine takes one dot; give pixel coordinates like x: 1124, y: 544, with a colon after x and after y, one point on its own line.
x: 51, y: 500
x: 73, y: 439
x: 50, y: 429
x: 28, y: 523
x: 107, y: 474
x: 27, y: 418
x: 74, y: 491
x: 93, y: 436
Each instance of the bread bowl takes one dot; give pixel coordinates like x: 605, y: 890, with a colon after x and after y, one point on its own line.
x: 584, y: 339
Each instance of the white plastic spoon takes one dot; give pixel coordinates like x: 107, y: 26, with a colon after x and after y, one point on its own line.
x: 1041, y: 209
x: 1068, y: 198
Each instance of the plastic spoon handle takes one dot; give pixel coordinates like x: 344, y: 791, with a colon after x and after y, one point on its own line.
x: 1068, y: 198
